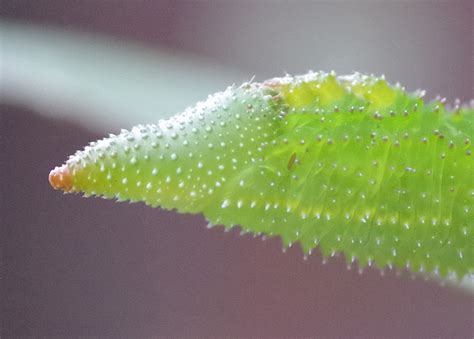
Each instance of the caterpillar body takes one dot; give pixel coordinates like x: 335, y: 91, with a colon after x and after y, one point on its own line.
x: 351, y: 164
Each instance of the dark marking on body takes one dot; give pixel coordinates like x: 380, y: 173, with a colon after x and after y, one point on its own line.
x: 291, y: 162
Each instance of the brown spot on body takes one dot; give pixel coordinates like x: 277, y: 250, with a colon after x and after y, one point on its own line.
x: 60, y: 179
x: 291, y: 161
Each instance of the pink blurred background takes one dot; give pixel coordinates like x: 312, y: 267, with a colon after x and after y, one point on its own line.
x: 90, y: 267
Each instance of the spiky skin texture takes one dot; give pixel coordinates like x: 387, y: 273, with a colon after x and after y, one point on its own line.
x: 351, y: 164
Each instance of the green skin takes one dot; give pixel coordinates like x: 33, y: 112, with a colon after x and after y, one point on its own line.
x: 351, y: 164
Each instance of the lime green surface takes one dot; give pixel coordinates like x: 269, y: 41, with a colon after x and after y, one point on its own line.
x: 350, y: 164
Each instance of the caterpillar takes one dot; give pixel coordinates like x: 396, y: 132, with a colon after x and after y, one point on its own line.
x: 351, y: 164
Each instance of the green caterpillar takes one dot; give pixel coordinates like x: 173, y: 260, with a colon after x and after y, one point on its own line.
x: 350, y: 164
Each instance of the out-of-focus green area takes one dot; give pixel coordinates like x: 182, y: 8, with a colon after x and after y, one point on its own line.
x: 102, y: 83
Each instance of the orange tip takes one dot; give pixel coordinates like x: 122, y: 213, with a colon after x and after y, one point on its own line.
x: 60, y: 178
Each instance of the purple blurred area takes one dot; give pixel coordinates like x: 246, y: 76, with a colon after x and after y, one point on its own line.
x: 90, y: 267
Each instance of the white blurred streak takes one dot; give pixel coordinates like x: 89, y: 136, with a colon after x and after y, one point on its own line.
x: 101, y: 83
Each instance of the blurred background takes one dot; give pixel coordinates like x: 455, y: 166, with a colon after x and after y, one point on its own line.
x: 74, y: 71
